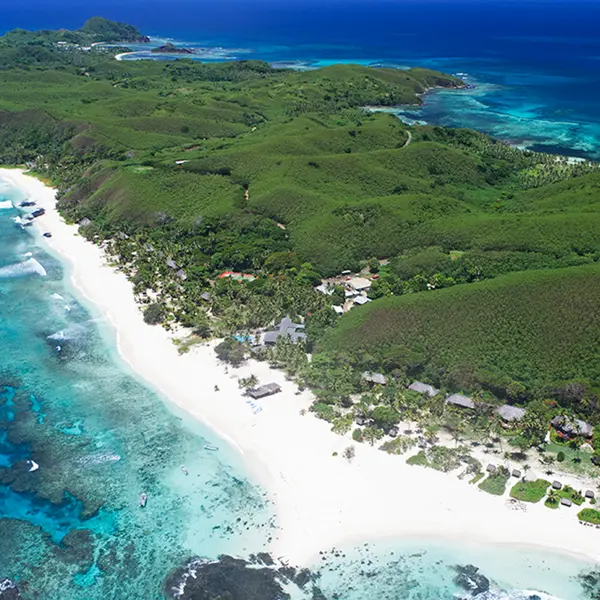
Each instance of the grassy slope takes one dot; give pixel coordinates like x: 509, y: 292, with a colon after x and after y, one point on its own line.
x: 541, y: 326
x: 341, y: 181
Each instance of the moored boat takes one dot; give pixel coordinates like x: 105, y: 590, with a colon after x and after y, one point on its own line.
x: 143, y: 500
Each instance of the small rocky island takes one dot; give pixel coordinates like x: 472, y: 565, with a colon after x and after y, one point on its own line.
x: 169, y: 48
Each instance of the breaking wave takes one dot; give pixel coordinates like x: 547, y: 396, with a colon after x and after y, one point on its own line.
x: 6, y: 204
x: 22, y: 269
x: 516, y: 595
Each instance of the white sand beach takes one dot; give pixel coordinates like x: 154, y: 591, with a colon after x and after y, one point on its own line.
x: 321, y: 500
x: 122, y: 55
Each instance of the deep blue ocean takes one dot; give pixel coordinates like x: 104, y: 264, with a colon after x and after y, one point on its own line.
x: 72, y: 529
x: 534, y: 64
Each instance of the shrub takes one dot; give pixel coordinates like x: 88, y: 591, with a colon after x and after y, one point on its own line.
x: 560, y: 457
x: 530, y: 491
x: 154, y: 313
x: 589, y: 515
x: 357, y: 435
x: 495, y: 483
x: 231, y: 351
x: 418, y: 459
x: 324, y: 411
x: 349, y: 453
x: 398, y: 445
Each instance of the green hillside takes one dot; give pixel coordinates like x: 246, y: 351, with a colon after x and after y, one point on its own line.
x: 534, y: 332
x: 292, y: 177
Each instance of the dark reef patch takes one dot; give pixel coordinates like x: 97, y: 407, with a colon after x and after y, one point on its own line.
x: 8, y: 590
x: 590, y: 582
x: 237, y: 579
x: 471, y: 580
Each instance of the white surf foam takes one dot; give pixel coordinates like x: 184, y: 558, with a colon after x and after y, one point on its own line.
x: 27, y: 267
x: 516, y: 595
x: 6, y: 204
x: 59, y: 336
x: 56, y: 296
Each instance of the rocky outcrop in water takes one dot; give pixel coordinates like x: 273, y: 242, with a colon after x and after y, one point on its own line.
x: 169, y: 48
x: 8, y: 590
x: 590, y: 582
x: 471, y: 580
x: 237, y: 579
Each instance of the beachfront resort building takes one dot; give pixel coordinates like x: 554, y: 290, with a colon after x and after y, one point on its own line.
x: 423, y: 388
x: 264, y: 390
x: 569, y: 428
x: 374, y: 378
x: 287, y: 329
x: 510, y: 414
x: 460, y: 400
x: 358, y: 284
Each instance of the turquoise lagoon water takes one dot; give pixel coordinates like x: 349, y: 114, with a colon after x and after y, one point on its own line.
x: 72, y: 529
x: 423, y: 570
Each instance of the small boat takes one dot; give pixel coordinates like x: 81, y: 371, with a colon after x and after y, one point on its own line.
x: 143, y: 500
x: 210, y: 447
x: 185, y: 471
x: 38, y: 212
x: 26, y: 203
x: 47, y: 234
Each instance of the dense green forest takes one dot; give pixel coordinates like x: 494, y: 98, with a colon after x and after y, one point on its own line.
x: 185, y: 170
x: 519, y: 335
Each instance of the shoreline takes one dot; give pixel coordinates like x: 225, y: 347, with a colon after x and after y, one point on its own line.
x: 321, y: 501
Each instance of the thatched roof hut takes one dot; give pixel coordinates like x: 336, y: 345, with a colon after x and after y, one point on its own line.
x: 572, y: 427
x: 376, y: 378
x: 287, y: 329
x: 566, y: 502
x: 460, y: 400
x: 556, y: 485
x: 509, y: 413
x: 264, y: 390
x: 423, y: 388
x: 516, y: 473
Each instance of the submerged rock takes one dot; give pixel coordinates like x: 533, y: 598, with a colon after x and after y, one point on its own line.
x: 8, y: 590
x: 471, y: 580
x: 228, y: 577
x: 590, y: 582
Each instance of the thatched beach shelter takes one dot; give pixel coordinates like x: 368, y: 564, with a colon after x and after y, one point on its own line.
x: 509, y: 413
x: 375, y: 378
x: 423, y: 388
x: 264, y: 390
x: 460, y: 400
